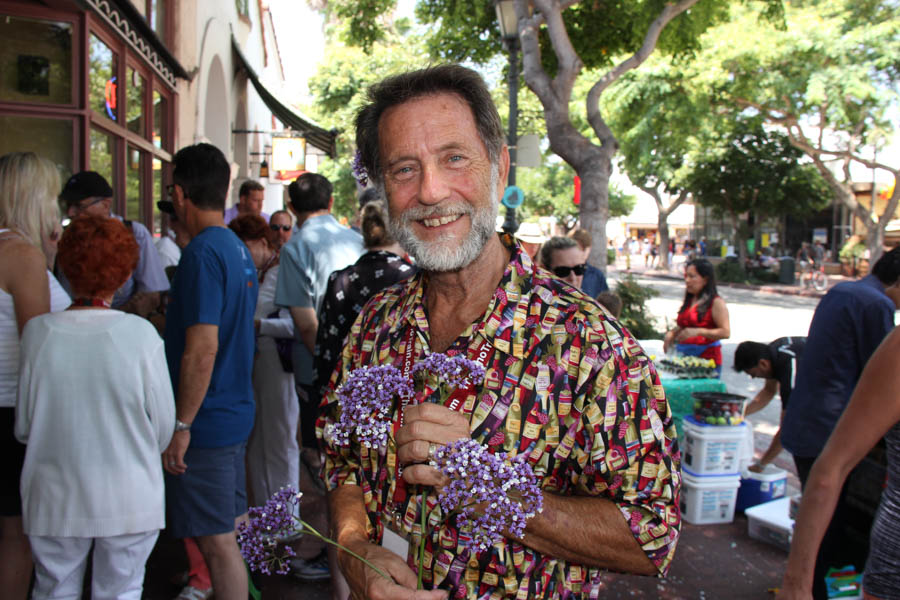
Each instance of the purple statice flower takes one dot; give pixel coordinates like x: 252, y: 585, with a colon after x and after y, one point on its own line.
x: 359, y: 170
x: 366, y: 398
x: 258, y: 537
x: 491, y: 493
x: 452, y: 371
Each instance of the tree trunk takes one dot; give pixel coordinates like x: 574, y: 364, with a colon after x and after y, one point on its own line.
x: 594, y: 207
x: 662, y: 224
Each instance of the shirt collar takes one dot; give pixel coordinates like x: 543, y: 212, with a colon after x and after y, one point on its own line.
x: 514, y: 289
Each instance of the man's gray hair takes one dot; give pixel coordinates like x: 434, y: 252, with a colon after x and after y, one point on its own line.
x: 450, y: 79
x: 552, y: 245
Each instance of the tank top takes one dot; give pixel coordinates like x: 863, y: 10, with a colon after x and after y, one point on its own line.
x: 9, y: 337
x: 690, y: 317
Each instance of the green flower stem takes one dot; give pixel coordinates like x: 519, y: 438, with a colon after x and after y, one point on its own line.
x: 423, y: 521
x: 311, y: 529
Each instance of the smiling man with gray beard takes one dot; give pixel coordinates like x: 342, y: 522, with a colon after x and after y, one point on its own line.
x: 565, y: 387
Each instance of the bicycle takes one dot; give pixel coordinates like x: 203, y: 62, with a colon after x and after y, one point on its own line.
x: 813, y: 275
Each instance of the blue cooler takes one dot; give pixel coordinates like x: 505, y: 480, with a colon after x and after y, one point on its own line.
x: 758, y: 488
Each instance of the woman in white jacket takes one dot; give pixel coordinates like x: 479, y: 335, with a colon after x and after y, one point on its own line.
x: 95, y: 409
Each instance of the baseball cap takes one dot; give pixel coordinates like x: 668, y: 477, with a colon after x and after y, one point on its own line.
x: 86, y: 184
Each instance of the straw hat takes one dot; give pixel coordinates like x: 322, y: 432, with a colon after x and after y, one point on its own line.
x: 531, y: 233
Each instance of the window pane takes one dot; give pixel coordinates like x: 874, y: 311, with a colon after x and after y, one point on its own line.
x: 50, y: 138
x: 160, y: 120
x: 157, y: 196
x: 35, y: 60
x: 134, y: 175
x: 135, y: 102
x: 103, y: 152
x: 103, y: 84
x: 158, y: 18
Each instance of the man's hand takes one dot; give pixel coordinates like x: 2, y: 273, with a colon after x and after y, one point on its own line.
x: 366, y: 584
x: 173, y: 457
x: 427, y: 424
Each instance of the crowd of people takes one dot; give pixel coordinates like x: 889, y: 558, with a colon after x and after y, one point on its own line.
x: 113, y: 432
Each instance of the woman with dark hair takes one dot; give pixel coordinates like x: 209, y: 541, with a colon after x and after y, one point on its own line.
x: 96, y: 410
x: 703, y: 317
x: 383, y: 265
x: 273, y: 456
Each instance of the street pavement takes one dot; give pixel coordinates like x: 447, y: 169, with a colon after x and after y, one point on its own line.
x: 712, y: 561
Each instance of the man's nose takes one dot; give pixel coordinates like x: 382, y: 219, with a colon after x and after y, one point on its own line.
x: 433, y: 188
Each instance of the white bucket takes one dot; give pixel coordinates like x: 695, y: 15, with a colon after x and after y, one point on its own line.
x: 714, y: 449
x: 708, y: 499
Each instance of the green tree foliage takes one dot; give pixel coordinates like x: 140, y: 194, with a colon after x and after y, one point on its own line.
x: 659, y: 120
x: 558, y: 40
x: 828, y: 80
x: 758, y: 173
x: 550, y: 189
x: 635, y: 315
x: 339, y: 89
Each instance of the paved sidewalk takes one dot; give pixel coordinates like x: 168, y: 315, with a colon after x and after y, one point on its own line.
x: 620, y: 268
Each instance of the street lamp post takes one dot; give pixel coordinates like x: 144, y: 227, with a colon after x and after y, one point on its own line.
x: 509, y: 30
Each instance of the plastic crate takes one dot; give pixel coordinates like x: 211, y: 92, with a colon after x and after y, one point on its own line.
x: 770, y: 523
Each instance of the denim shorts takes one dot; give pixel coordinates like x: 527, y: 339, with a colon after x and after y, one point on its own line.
x: 210, y: 494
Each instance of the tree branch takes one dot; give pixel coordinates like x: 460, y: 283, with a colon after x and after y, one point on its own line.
x: 598, y: 124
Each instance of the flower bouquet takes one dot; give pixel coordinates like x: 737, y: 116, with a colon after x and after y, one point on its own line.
x: 490, y: 494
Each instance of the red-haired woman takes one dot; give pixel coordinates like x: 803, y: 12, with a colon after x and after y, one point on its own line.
x: 29, y: 230
x: 273, y: 456
x: 95, y: 409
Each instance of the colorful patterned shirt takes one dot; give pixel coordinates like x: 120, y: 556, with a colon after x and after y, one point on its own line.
x: 566, y: 384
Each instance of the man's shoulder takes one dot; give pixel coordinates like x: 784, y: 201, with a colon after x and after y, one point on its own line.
x: 559, y: 303
x: 867, y: 291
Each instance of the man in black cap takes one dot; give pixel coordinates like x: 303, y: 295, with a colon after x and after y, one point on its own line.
x: 88, y: 193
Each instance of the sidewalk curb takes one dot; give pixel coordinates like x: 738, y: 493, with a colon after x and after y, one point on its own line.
x: 765, y: 289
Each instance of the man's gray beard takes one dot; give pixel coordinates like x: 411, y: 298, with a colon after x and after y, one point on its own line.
x: 436, y: 255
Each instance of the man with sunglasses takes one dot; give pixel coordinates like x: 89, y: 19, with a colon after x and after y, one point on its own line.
x: 88, y: 193
x: 564, y: 258
x: 282, y: 223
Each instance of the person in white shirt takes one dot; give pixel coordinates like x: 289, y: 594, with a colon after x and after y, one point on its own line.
x: 95, y: 409
x: 29, y: 231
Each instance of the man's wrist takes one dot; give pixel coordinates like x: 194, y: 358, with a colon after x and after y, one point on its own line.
x: 181, y: 426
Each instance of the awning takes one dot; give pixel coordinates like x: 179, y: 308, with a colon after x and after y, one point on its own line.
x: 315, y: 135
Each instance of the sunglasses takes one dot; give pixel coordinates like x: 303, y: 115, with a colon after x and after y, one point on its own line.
x: 563, y: 272
x: 280, y: 227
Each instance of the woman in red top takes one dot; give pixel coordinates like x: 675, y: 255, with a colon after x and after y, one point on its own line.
x: 703, y: 317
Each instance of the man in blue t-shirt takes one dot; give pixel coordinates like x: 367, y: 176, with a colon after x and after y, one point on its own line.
x: 209, y: 347
x: 849, y: 323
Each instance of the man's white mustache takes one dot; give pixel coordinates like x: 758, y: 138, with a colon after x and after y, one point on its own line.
x: 420, y: 213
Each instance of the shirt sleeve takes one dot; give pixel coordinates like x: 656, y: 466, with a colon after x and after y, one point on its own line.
x: 159, y: 398
x: 149, y: 275
x: 295, y: 278
x: 203, y: 283
x: 629, y: 450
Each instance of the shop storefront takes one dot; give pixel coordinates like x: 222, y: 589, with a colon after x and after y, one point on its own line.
x: 91, y: 85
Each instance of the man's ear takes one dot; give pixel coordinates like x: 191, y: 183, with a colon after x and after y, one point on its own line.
x: 71, y: 212
x: 765, y: 365
x: 330, y: 203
